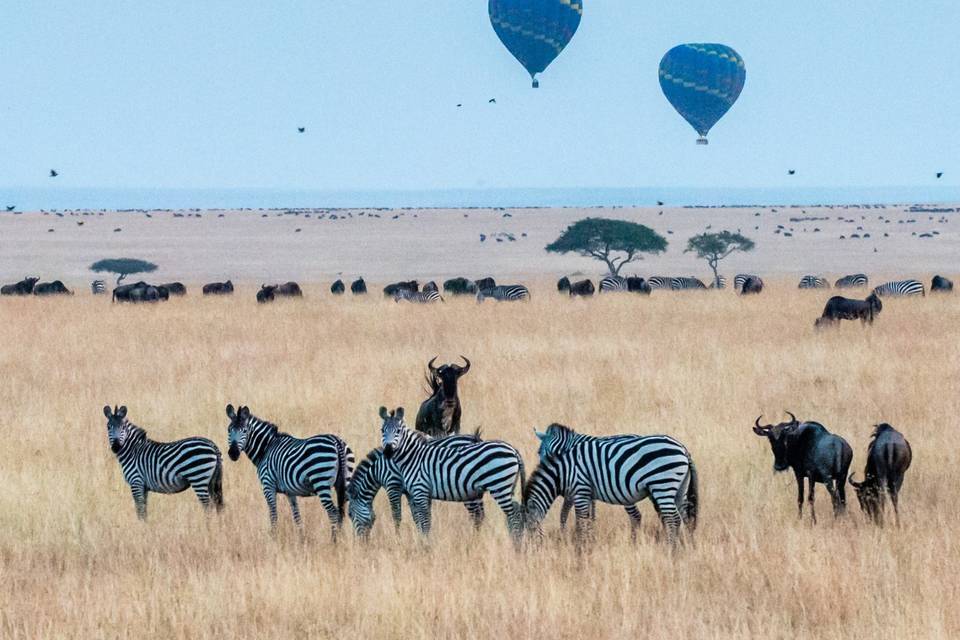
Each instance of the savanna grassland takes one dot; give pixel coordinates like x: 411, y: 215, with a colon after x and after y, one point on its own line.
x: 76, y: 563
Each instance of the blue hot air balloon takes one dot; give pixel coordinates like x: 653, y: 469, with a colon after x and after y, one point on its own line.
x: 702, y: 81
x: 535, y: 31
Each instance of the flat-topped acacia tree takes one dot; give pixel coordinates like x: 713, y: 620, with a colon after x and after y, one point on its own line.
x: 714, y: 247
x: 122, y: 267
x: 614, y: 242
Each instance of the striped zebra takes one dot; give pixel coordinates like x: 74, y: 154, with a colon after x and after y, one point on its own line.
x: 813, y: 282
x: 613, y: 283
x: 901, y: 288
x: 375, y: 472
x: 98, y: 287
x: 686, y: 284
x: 851, y: 281
x: 617, y: 470
x: 719, y: 283
x: 426, y: 296
x: 740, y: 278
x: 660, y: 282
x: 292, y: 466
x: 456, y: 474
x: 164, y: 467
x: 504, y: 293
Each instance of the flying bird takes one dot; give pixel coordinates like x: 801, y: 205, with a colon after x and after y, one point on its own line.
x: 659, y: 203
x: 11, y: 207
x: 301, y: 129
x: 791, y: 172
x: 459, y: 104
x: 939, y: 174
x: 53, y: 173
x: 492, y: 101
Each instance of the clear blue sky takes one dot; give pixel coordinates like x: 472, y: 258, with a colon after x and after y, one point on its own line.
x: 209, y: 94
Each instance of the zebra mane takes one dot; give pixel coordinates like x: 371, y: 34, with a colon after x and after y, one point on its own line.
x: 543, y: 469
x: 362, y: 468
x: 557, y: 429
x: 269, y: 425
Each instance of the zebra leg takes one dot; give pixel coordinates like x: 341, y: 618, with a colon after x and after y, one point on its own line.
x: 326, y: 499
x: 420, y: 507
x: 295, y: 508
x: 203, y: 494
x: 270, y: 495
x: 583, y: 507
x: 565, y: 512
x: 475, y: 509
x: 669, y: 514
x: 140, y: 500
x: 634, y: 514
x: 395, y: 495
x: 504, y: 499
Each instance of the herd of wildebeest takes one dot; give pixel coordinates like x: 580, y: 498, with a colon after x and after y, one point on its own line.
x: 433, y: 461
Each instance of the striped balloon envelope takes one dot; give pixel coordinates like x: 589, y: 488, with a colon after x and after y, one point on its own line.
x: 702, y: 81
x: 535, y: 31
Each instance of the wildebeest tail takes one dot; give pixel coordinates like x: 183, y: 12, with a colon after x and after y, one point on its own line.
x: 216, y: 485
x: 345, y: 465
x: 690, y: 503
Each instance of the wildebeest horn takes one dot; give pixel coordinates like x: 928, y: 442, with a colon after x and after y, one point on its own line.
x: 466, y: 368
x: 757, y: 421
x: 855, y: 484
x: 757, y: 429
x: 793, y: 418
x: 430, y: 364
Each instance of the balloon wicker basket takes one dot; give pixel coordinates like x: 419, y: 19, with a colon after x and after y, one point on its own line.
x: 536, y: 83
x: 702, y: 140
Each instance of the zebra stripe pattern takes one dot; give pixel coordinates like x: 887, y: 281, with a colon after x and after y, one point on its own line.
x: 456, y: 474
x: 719, y: 283
x: 851, y: 281
x: 294, y: 467
x: 686, y: 284
x: 504, y: 293
x: 813, y: 282
x: 376, y: 471
x: 660, y: 282
x: 740, y: 278
x: 164, y: 467
x: 901, y: 288
x: 618, y: 470
x: 98, y: 287
x: 613, y: 283
x: 426, y: 296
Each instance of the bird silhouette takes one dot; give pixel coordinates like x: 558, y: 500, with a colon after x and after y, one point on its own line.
x: 53, y: 173
x: 301, y: 129
x: 492, y: 101
x: 459, y: 104
x: 659, y: 203
x: 791, y: 172
x: 11, y: 207
x: 939, y: 174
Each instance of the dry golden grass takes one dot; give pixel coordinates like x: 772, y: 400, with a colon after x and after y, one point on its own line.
x: 77, y: 563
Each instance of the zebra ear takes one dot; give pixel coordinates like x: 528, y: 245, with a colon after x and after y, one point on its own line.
x: 106, y: 411
x: 540, y: 436
x: 230, y: 412
x: 399, y: 413
x: 244, y: 412
x: 122, y: 412
x: 383, y: 413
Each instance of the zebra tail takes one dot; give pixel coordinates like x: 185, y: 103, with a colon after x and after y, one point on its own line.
x: 216, y: 485
x: 691, y: 502
x: 344, y: 473
x: 523, y: 476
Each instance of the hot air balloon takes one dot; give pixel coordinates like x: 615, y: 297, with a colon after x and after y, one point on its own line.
x: 535, y: 31
x: 702, y: 81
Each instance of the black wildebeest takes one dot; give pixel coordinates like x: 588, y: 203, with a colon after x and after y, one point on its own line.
x: 636, y: 284
x: 391, y: 289
x: 485, y: 283
x: 430, y: 286
x: 358, y: 287
x: 583, y: 288
x: 563, y: 284
x: 137, y: 292
x: 459, y: 287
x: 338, y: 288
x: 51, y: 288
x: 22, y: 288
x: 888, y: 458
x: 751, y: 285
x: 218, y: 288
x: 174, y: 288
x: 813, y: 453
x: 267, y: 293
x: 289, y: 289
x: 439, y: 415
x: 839, y: 308
x: 941, y: 284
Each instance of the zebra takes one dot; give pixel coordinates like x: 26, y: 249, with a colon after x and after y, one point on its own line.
x: 618, y: 470
x: 164, y: 467
x: 613, y: 283
x: 720, y: 282
x: 504, y: 293
x: 457, y: 474
x: 98, y: 287
x: 686, y: 284
x: 420, y: 297
x: 813, y: 282
x: 660, y: 282
x: 740, y: 278
x: 851, y: 281
x: 376, y: 471
x: 900, y: 288
x: 292, y: 466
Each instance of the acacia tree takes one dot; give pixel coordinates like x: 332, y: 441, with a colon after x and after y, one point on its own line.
x: 714, y: 247
x: 615, y: 242
x: 122, y: 267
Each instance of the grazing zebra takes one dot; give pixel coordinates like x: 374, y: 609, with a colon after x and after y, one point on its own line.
x: 813, y: 282
x: 613, y: 283
x: 686, y: 284
x: 719, y: 283
x: 292, y: 466
x: 660, y: 282
x: 98, y: 287
x: 456, y: 474
x: 504, y: 293
x: 375, y: 471
x: 740, y: 278
x: 420, y: 297
x: 164, y: 467
x: 851, y: 281
x: 618, y: 470
x: 901, y: 288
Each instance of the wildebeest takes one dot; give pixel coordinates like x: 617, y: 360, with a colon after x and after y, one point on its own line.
x: 439, y: 415
x: 391, y: 290
x: 813, y: 453
x: 175, y: 288
x: 563, y: 284
x: 338, y: 288
x: 267, y: 293
x: 583, y: 288
x: 485, y: 283
x: 22, y: 288
x: 888, y: 458
x: 162, y: 292
x: 839, y: 308
x: 218, y: 288
x: 939, y: 283
x: 358, y: 287
x: 289, y: 289
x: 51, y: 288
x: 751, y: 285
x: 136, y: 292
x: 636, y: 284
x: 459, y: 287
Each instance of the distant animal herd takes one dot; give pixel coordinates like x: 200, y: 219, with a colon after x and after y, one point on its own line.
x: 434, y: 461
